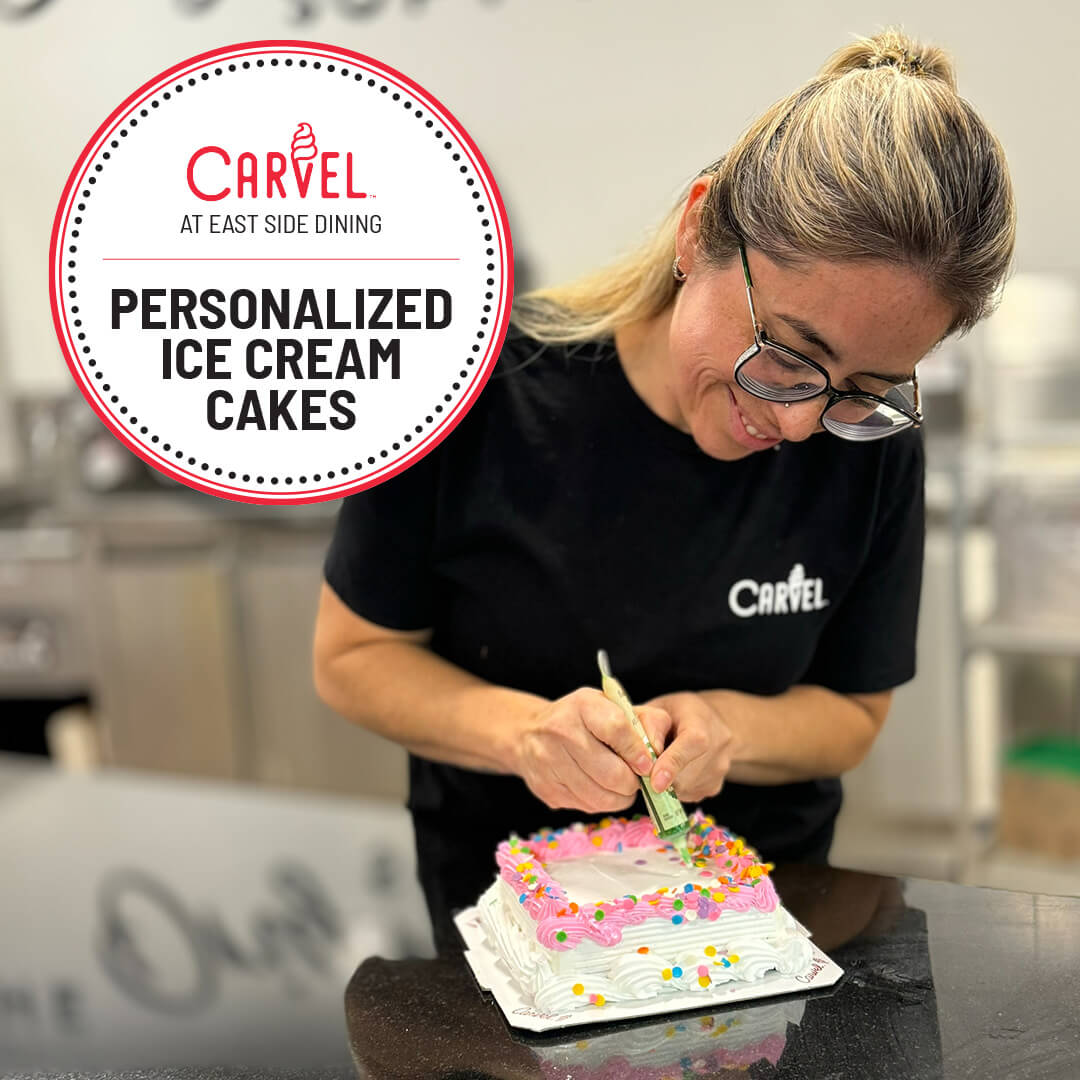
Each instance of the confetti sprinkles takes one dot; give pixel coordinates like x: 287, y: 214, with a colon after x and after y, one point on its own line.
x: 725, y: 870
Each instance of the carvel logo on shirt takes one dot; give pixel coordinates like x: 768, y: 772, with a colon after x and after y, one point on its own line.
x: 798, y: 593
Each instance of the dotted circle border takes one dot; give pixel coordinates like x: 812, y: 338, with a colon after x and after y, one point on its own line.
x: 87, y: 192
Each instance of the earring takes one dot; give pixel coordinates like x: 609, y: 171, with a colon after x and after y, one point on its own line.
x: 787, y: 404
x: 677, y: 271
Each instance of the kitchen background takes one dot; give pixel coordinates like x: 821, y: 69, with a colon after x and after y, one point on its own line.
x: 146, y: 627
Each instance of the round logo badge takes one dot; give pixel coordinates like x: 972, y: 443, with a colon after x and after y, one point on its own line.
x: 281, y: 272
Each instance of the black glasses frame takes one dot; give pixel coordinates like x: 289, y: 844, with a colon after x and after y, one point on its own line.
x: 761, y: 339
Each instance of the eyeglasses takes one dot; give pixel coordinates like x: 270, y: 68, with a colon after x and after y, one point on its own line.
x: 774, y: 372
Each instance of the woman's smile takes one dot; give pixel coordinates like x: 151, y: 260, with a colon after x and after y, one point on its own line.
x: 744, y: 431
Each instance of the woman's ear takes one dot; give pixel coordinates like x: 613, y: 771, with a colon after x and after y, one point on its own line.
x: 687, y: 233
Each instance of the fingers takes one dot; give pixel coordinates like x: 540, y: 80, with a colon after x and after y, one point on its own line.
x: 588, y: 792
x: 574, y: 772
x: 701, y: 778
x: 689, y: 744
x: 584, y: 753
x: 608, y: 723
x: 694, y: 785
x: 657, y: 724
x: 552, y: 793
x: 598, y: 763
x: 592, y: 713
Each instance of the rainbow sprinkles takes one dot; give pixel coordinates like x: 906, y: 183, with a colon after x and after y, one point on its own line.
x: 606, y: 912
x: 730, y: 876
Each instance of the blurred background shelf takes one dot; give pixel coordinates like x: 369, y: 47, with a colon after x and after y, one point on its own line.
x: 999, y: 635
x: 1037, y: 640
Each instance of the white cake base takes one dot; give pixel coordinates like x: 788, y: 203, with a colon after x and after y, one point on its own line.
x: 493, y: 975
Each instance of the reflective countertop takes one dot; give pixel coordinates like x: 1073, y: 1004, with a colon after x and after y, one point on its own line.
x: 940, y: 980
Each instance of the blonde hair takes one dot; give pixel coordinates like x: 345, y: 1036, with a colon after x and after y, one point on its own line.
x: 877, y: 157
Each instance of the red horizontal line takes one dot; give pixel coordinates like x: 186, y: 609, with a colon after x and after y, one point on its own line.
x: 279, y: 258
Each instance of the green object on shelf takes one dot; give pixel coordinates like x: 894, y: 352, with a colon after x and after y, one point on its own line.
x: 1056, y: 755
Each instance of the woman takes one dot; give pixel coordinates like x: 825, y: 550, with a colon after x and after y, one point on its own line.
x: 639, y: 475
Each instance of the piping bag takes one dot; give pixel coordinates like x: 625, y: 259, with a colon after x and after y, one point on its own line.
x: 668, y: 816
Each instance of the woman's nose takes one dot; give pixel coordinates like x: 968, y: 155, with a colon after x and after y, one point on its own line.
x: 799, y: 420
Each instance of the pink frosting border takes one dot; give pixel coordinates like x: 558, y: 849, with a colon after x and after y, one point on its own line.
x: 727, y: 875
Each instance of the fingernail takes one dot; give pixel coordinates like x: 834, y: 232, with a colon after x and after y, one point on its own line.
x: 643, y: 764
x: 660, y: 780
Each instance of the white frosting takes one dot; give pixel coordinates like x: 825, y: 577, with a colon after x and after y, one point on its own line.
x: 762, y: 941
x: 609, y: 874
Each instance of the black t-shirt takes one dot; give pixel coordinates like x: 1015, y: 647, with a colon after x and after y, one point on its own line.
x: 563, y: 515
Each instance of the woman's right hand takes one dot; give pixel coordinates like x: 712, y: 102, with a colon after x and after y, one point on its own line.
x: 579, y: 752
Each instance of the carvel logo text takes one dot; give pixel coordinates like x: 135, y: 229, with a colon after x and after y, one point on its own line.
x: 798, y: 593
x: 210, y: 172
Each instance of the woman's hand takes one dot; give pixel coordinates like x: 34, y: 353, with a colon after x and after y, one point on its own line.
x: 581, y: 753
x: 699, y: 754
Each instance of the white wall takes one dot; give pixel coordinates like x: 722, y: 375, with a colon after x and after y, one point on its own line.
x: 591, y: 113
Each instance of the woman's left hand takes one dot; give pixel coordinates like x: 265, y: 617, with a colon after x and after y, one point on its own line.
x: 699, y: 748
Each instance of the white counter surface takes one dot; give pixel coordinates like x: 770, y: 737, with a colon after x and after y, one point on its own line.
x: 147, y: 921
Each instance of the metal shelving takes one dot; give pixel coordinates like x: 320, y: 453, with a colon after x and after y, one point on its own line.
x: 977, y: 475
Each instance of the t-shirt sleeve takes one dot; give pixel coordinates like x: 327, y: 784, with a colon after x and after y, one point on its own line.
x: 868, y: 644
x: 380, y: 558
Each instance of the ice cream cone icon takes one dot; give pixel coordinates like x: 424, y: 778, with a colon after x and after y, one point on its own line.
x: 303, y: 144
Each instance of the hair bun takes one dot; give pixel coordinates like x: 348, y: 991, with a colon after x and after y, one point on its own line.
x: 891, y: 48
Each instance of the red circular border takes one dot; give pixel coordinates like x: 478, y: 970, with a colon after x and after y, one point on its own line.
x: 193, y: 480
